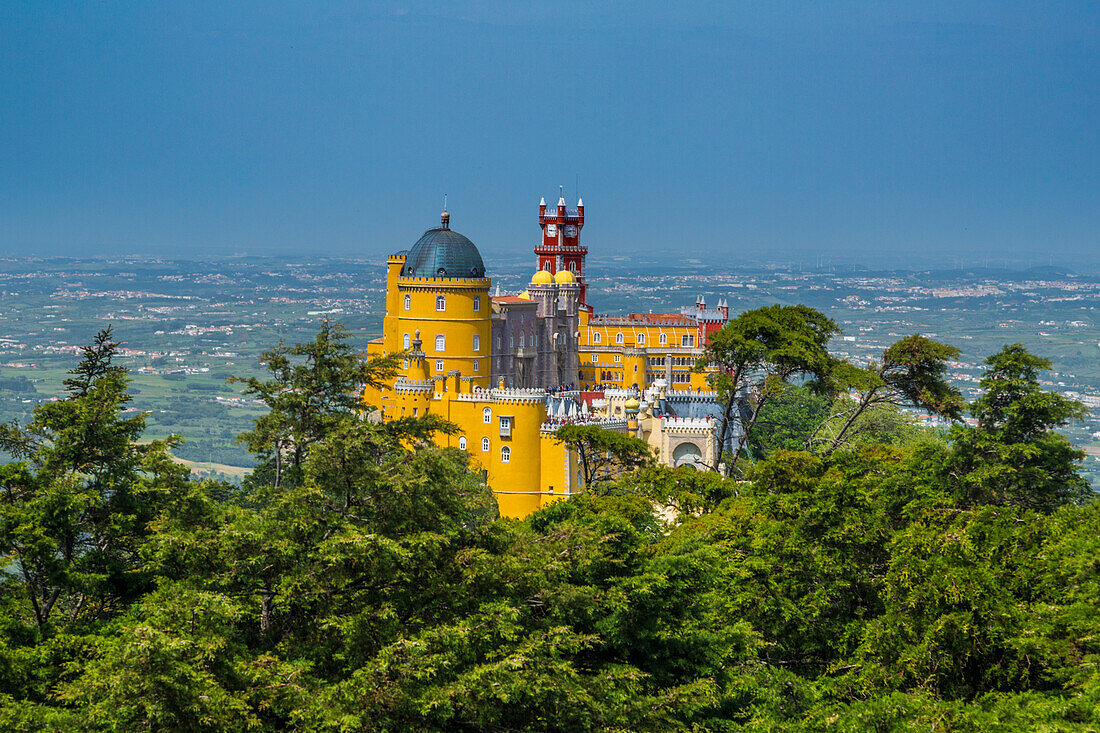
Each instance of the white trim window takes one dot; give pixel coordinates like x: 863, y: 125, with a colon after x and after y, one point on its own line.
x: 462, y: 443
x: 441, y: 343
x: 595, y: 358
x: 439, y: 365
x: 487, y: 416
x: 662, y: 339
x: 505, y: 454
x: 408, y: 302
x: 477, y: 342
x: 687, y: 340
x: 618, y: 358
x: 405, y: 341
x: 505, y: 426
x: 619, y: 337
x: 477, y: 304
x: 484, y: 445
x: 477, y: 365
x: 596, y: 337
x: 640, y: 338
x: 441, y: 302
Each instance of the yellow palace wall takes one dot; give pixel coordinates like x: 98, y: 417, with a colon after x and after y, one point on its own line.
x: 534, y: 471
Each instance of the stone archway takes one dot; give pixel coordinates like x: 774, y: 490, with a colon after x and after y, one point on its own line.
x: 687, y: 453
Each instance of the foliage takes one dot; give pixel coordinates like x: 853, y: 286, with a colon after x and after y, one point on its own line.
x: 763, y: 350
x: 912, y: 372
x: 313, y: 386
x: 788, y: 421
x: 604, y: 454
x: 1013, y: 457
x: 924, y: 585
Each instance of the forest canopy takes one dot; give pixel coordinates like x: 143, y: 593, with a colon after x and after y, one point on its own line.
x: 876, y: 576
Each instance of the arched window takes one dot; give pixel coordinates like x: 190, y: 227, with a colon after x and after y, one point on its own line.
x: 477, y: 342
x: 477, y: 303
x: 408, y: 301
x: 462, y: 443
x: 440, y: 343
x: 484, y: 445
x: 662, y: 339
x: 596, y: 337
x: 619, y: 337
x: 505, y: 454
x: 405, y: 341
x: 641, y: 339
x: 487, y: 417
x: 441, y: 302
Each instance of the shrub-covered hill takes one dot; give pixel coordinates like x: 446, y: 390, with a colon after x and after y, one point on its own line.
x: 361, y: 580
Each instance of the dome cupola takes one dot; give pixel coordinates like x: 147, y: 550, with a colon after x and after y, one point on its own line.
x: 442, y: 253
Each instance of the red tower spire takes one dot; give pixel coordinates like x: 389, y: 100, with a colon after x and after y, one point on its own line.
x: 561, y: 248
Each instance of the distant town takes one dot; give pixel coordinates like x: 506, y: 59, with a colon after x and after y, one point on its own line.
x: 186, y: 326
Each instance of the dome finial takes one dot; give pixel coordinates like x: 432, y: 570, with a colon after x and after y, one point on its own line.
x: 445, y: 218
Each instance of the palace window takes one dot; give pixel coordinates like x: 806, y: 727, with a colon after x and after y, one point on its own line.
x: 487, y: 416
x: 662, y: 339
x: 618, y: 358
x: 484, y: 445
x: 641, y: 339
x: 462, y: 443
x: 505, y: 426
x: 619, y: 337
x: 405, y: 341
x: 688, y: 339
x: 441, y: 343
x: 441, y: 302
x: 595, y: 358
x: 408, y: 302
x: 477, y: 304
x: 477, y: 365
x: 405, y: 364
x: 596, y: 337
x: 505, y: 454
x: 477, y: 342
x: 439, y: 365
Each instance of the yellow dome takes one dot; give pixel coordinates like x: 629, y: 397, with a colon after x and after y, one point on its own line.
x: 542, y: 277
x: 631, y: 405
x: 525, y: 295
x: 565, y: 277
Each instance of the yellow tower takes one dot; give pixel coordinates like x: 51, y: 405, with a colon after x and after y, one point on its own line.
x: 437, y: 293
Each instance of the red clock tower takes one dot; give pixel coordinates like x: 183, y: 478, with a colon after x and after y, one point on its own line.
x: 560, y: 248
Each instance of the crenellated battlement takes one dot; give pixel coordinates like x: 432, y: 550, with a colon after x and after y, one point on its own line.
x: 551, y: 425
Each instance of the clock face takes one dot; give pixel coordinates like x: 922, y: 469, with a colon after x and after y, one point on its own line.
x: 570, y: 230
x: 551, y: 230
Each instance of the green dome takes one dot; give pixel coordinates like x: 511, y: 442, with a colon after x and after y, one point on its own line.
x: 441, y: 253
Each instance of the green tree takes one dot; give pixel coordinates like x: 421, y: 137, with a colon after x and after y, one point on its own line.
x: 788, y: 421
x: 756, y: 356
x: 912, y: 372
x: 313, y: 385
x: 604, y: 454
x: 76, y: 508
x: 1013, y: 456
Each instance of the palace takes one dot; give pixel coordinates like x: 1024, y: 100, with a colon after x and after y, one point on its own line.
x: 510, y: 369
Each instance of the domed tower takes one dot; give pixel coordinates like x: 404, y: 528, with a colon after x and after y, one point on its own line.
x: 439, y: 288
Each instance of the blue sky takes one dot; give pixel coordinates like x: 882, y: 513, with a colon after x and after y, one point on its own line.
x: 882, y: 132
